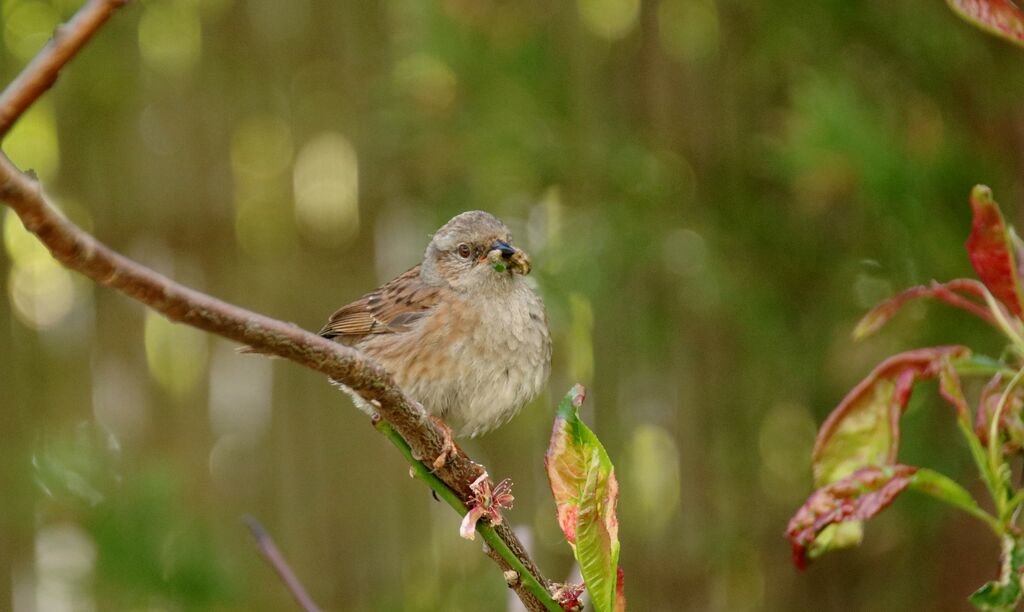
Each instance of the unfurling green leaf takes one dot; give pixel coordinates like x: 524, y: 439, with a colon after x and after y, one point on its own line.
x: 999, y: 17
x: 864, y: 429
x: 583, y: 482
x: 1004, y: 593
x: 992, y: 251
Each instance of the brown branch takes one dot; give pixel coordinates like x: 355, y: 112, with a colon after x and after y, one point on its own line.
x: 42, y: 72
x: 79, y: 251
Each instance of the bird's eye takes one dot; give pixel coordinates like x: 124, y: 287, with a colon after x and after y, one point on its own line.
x: 464, y: 250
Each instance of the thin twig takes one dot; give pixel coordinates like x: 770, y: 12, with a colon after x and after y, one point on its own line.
x: 497, y: 548
x: 80, y: 251
x: 273, y: 556
x: 42, y: 71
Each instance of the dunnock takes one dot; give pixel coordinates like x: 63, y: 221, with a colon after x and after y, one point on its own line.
x: 462, y: 332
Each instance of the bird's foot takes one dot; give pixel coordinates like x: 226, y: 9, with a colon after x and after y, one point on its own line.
x: 448, y: 447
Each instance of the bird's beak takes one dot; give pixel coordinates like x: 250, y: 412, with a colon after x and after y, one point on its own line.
x: 505, y: 257
x: 506, y: 249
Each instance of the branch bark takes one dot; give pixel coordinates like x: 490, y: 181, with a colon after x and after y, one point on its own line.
x: 80, y: 251
x: 42, y: 72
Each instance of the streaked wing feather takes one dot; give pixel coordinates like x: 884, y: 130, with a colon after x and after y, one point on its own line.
x: 391, y: 309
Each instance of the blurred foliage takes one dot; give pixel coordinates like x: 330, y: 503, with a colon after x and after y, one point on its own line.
x: 711, y: 192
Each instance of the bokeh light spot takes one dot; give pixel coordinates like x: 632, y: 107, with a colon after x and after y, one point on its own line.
x: 65, y: 557
x: 581, y: 356
x: 428, y: 80
x: 688, y: 29
x: 653, y: 476
x: 609, y: 19
x: 21, y: 246
x: 32, y: 143
x: 176, y: 354
x: 240, y: 393
x: 27, y: 27
x: 261, y: 147
x: 684, y: 252
x: 870, y: 290
x: 119, y: 401
x: 785, y: 441
x: 326, y: 182
x: 42, y: 292
x: 170, y: 36
x: 261, y: 152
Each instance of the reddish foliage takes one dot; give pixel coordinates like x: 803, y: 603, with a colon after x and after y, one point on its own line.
x: 620, y: 592
x: 568, y: 597
x: 952, y: 391
x: 857, y: 497
x: 992, y: 254
x: 947, y: 292
x: 904, y: 370
x: 1000, y: 17
x: 567, y: 521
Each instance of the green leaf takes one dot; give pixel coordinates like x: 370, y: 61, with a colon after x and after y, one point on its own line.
x: 999, y: 17
x: 992, y: 251
x: 863, y: 430
x: 945, y: 489
x: 583, y: 483
x: 1004, y: 593
x: 980, y: 365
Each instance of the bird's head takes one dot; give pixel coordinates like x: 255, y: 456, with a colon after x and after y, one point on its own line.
x: 474, y: 249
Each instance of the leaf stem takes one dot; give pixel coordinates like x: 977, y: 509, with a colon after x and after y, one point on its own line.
x: 1015, y: 501
x: 1004, y: 324
x: 987, y: 475
x: 997, y: 467
x: 970, y: 367
x: 486, y: 530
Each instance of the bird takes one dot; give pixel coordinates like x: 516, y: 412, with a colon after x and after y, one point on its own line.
x: 462, y: 332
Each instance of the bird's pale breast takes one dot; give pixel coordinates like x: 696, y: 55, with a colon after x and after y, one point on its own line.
x: 473, y: 361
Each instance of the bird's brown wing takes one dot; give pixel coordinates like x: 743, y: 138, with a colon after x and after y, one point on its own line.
x: 390, y: 309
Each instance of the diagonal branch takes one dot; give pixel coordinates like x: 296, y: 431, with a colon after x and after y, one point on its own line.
x: 42, y: 72
x: 80, y: 251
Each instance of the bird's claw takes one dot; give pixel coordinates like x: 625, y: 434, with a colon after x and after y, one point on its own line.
x: 448, y: 447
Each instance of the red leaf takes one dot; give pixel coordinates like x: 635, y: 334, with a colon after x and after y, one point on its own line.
x: 999, y: 17
x: 992, y: 252
x: 857, y: 497
x: 947, y: 292
x: 620, y: 592
x: 863, y: 430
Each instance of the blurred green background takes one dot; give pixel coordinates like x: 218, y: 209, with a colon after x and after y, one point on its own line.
x: 712, y: 193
